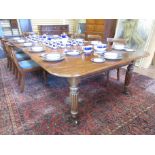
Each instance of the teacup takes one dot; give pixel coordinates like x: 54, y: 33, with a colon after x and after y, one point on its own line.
x: 54, y: 46
x: 80, y: 43
x: 68, y: 44
x: 62, y: 46
x: 87, y: 49
x: 100, y: 48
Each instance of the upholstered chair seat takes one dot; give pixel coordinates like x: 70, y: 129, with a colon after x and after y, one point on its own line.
x: 22, y: 56
x: 28, y: 64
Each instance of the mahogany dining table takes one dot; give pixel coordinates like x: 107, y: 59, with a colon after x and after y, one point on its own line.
x: 74, y: 68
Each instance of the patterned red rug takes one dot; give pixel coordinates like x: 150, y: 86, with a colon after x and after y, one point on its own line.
x: 104, y: 110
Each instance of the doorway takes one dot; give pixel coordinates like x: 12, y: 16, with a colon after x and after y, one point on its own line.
x: 25, y: 25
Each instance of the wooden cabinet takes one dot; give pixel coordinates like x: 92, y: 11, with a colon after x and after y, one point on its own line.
x: 100, y: 29
x: 53, y: 29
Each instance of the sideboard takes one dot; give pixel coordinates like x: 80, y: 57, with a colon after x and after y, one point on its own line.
x: 53, y: 29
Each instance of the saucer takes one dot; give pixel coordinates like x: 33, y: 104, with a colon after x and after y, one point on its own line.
x: 129, y: 50
x: 73, y: 52
x: 98, y: 60
x: 113, y: 56
x: 37, y: 49
x: 52, y: 57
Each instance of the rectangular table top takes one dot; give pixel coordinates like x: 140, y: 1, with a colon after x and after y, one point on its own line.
x: 81, y: 65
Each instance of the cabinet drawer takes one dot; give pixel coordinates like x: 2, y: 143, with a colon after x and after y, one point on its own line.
x: 90, y: 21
x: 64, y: 28
x: 53, y: 29
x: 99, y: 21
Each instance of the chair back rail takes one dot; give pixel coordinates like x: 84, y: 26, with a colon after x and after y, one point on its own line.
x: 110, y: 41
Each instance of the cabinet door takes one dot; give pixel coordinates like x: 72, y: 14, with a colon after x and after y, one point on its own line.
x: 90, y: 28
x: 25, y: 25
x: 99, y: 28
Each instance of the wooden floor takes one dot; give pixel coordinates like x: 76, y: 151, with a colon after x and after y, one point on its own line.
x: 150, y: 72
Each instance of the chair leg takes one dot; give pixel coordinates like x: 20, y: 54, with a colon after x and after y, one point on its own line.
x: 14, y: 68
x: 8, y: 63
x: 16, y: 72
x: 22, y: 83
x: 118, y: 74
x: 108, y: 75
x: 45, y: 77
x: 107, y: 78
x: 11, y: 66
x: 19, y: 78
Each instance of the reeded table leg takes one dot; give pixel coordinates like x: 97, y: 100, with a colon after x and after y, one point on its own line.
x: 74, y: 96
x: 128, y: 77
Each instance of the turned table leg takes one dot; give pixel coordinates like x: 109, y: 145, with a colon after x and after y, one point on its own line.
x: 128, y: 77
x: 74, y: 96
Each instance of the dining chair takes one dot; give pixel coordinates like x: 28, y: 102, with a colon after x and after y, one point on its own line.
x: 20, y: 56
x: 93, y: 37
x: 23, y: 67
x: 25, y: 34
x: 78, y: 36
x: 3, y: 41
x: 111, y: 43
